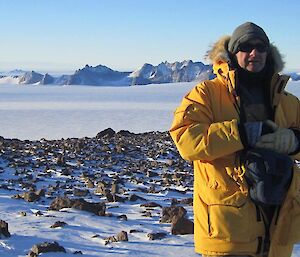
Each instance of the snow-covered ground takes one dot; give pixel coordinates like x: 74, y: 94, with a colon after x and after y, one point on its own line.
x: 54, y: 112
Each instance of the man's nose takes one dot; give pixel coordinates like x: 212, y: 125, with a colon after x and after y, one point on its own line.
x: 254, y: 51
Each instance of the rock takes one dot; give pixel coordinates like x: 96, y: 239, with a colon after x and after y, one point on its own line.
x: 80, y: 204
x: 187, y: 201
x: 122, y: 217
x: 31, y: 196
x: 147, y: 214
x: 59, y: 224
x: 135, y: 197
x: 106, y: 133
x: 168, y: 213
x: 80, y: 193
x: 61, y: 160
x: 89, y: 183
x: 182, y: 226
x: 114, y: 188
x: 4, y: 229
x: 114, y: 198
x: 45, y: 247
x: 122, y: 236
x: 135, y: 231
x: 151, y: 205
x: 155, y: 236
x: 125, y: 133
x: 60, y: 203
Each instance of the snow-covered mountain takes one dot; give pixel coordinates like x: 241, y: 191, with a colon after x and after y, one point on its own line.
x: 165, y: 72
x: 13, y: 73
x: 100, y: 75
x: 295, y: 76
x: 30, y: 77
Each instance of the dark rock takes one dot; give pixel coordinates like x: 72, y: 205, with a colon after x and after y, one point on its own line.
x: 135, y: 197
x: 151, y: 205
x: 60, y: 203
x: 187, y: 201
x: 147, y: 214
x: 122, y: 236
x: 135, y: 231
x: 155, y: 236
x: 182, y: 226
x: 80, y: 204
x: 89, y: 183
x: 31, y: 196
x: 114, y: 188
x: 122, y: 217
x: 59, y: 224
x: 125, y: 133
x: 168, y: 213
x: 45, y: 247
x: 109, y: 132
x: 4, y: 229
x: 80, y: 193
x: 114, y: 198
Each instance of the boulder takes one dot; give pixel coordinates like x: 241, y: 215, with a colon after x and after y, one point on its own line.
x: 80, y: 204
x: 182, y: 226
x: 4, y: 229
x: 45, y: 247
x: 122, y: 236
x: 168, y: 213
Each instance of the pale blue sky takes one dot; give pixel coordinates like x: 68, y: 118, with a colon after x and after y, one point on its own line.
x: 64, y: 35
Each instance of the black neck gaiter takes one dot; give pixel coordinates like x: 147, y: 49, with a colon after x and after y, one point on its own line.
x: 252, y: 88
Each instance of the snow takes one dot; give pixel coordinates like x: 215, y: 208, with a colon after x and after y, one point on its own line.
x: 54, y: 112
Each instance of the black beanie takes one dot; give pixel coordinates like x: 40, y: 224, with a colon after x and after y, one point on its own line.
x: 244, y: 33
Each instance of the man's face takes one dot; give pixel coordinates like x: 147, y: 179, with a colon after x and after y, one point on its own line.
x: 252, y: 55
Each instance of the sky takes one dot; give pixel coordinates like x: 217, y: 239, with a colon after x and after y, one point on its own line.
x: 65, y: 35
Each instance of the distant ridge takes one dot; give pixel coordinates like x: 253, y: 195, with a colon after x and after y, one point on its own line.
x: 101, y: 75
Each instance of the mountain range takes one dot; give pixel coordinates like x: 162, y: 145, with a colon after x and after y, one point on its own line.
x: 101, y: 75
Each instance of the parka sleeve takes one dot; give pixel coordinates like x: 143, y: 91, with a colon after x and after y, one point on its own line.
x: 196, y: 134
x: 296, y: 124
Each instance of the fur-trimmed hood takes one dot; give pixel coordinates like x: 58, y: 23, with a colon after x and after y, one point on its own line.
x: 219, y: 54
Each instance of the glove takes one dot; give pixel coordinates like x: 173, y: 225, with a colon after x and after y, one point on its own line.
x: 282, y: 140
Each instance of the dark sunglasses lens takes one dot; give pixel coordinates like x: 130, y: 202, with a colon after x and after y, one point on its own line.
x: 249, y: 47
x: 261, y: 48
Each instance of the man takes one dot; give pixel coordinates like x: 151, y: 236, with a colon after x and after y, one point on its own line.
x: 242, y: 132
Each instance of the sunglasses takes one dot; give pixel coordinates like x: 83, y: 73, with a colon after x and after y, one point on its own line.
x: 248, y: 47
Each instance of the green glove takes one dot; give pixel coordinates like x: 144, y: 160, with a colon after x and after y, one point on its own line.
x: 282, y: 140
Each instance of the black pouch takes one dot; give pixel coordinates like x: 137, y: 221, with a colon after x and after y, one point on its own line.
x: 268, y: 175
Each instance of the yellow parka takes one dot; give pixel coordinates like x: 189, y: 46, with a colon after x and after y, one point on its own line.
x: 205, y: 131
